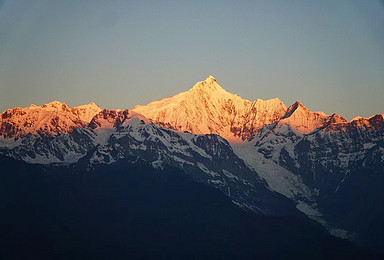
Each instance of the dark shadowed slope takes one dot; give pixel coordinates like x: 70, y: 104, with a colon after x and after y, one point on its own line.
x: 132, y: 211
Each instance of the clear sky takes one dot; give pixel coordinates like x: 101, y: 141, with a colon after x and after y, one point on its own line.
x: 328, y: 54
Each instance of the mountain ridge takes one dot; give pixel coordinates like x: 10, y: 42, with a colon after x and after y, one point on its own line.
x: 48, y: 119
x: 209, y: 109
x: 265, y: 156
x: 206, y: 108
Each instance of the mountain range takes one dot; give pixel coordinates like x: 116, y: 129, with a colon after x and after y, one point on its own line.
x: 265, y: 157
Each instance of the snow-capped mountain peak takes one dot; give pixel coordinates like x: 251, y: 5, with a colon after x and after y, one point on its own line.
x: 49, y: 119
x: 86, y: 112
x: 209, y: 84
x: 209, y: 109
x: 336, y: 119
x: 302, y: 120
x: 53, y: 106
x: 210, y: 77
x: 296, y: 107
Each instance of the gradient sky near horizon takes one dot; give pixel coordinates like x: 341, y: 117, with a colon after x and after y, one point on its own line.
x: 327, y: 54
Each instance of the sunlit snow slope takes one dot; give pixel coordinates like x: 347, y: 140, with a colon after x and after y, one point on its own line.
x: 208, y: 109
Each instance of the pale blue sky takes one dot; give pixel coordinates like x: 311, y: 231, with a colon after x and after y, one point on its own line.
x: 328, y: 54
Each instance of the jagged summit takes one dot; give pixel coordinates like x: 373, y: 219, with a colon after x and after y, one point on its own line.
x: 295, y: 107
x: 337, y: 119
x: 49, y: 119
x: 54, y: 105
x: 302, y: 120
x: 209, y: 109
x: 359, y: 118
x: 356, y: 118
x: 210, y: 78
x: 86, y: 112
x: 208, y: 87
